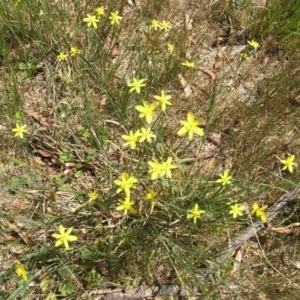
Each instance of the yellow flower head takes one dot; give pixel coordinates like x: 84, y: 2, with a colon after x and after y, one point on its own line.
x: 164, y: 25
x: 259, y: 212
x: 236, y: 210
x: 289, y: 163
x: 244, y: 55
x: 91, y: 20
x: 151, y: 196
x: 100, y: 11
x: 163, y: 100
x: 254, y: 44
x: 189, y: 64
x: 64, y: 237
x: 146, y: 135
x: 170, y: 48
x: 156, y: 169
x: 62, y: 56
x: 19, y: 131
x: 126, y: 183
x: 154, y: 25
x: 225, y: 178
x: 21, y: 270
x: 75, y: 51
x: 167, y: 167
x: 126, y: 205
x: 195, y: 213
x: 147, y: 111
x: 115, y: 18
x: 132, y: 139
x: 191, y: 126
x: 93, y: 195
x: 136, y: 85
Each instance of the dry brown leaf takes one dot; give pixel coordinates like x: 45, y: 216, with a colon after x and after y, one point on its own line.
x: 286, y: 229
x: 20, y: 204
x: 210, y: 73
x: 188, y: 22
x: 8, y: 237
x: 111, y: 47
x: 42, y: 152
x: 102, y: 104
x: 238, y: 256
x: 187, y: 89
x: 17, y: 230
x: 297, y: 264
x: 41, y: 118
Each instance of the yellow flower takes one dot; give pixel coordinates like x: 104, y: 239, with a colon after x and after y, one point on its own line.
x: 167, y: 167
x: 154, y: 25
x: 93, y: 195
x: 163, y: 100
x: 236, y: 210
x: 126, y: 183
x: 156, y: 169
x: 170, y: 48
x: 146, y: 135
x: 91, y: 20
x: 151, y: 196
x: 259, y: 211
x: 115, y: 18
x: 264, y: 218
x: 62, y: 56
x: 75, y: 51
x: 189, y: 64
x: 289, y: 163
x: 21, y: 270
x: 191, y: 126
x: 225, y: 178
x: 254, y: 44
x: 19, y: 131
x: 164, y: 25
x: 244, y: 55
x: 132, y: 139
x: 100, y: 11
x: 147, y: 111
x: 136, y: 85
x: 64, y: 237
x: 195, y: 213
x: 126, y: 205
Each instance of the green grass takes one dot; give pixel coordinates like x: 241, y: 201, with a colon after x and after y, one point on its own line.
x: 76, y: 112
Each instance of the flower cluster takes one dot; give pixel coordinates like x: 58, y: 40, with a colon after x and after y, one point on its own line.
x: 164, y: 168
x: 126, y: 183
x: 94, y: 19
x: 163, y: 25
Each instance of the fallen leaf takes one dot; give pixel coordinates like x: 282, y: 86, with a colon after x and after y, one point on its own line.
x: 286, y: 229
x: 210, y: 73
x: 297, y: 264
x: 188, y: 22
x: 41, y: 118
x: 187, y: 89
x: 238, y: 256
x: 41, y: 152
x: 7, y: 237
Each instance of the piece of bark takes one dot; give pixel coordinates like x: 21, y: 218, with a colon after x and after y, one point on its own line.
x: 140, y: 292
